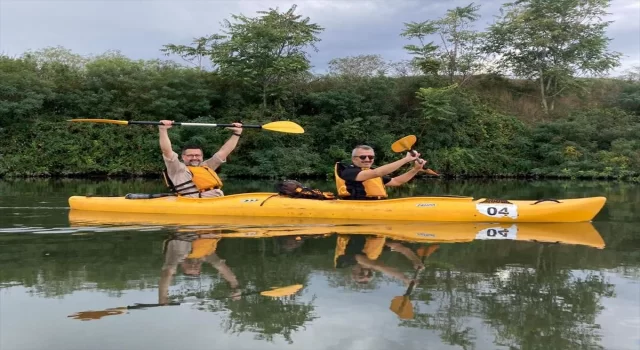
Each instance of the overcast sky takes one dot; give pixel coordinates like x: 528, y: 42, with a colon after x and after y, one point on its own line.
x: 139, y: 28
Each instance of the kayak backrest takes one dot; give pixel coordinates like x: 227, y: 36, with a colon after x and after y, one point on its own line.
x: 341, y: 185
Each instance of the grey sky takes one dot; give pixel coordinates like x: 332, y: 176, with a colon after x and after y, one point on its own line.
x: 139, y: 28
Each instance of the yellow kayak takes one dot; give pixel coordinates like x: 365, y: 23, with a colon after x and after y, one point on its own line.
x: 423, y: 209
x: 582, y: 233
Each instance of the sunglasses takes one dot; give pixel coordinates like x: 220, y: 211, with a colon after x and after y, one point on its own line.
x: 365, y: 157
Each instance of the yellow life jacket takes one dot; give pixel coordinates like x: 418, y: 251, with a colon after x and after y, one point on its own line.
x: 203, y: 247
x: 372, y: 248
x: 374, y: 188
x: 203, y: 179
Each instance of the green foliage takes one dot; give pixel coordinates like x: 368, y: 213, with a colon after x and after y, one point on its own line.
x: 464, y: 137
x: 629, y: 98
x: 595, y: 143
x: 74, y: 149
x: 358, y: 66
x: 23, y: 92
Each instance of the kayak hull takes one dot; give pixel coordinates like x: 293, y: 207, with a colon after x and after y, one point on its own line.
x: 420, y: 209
x: 581, y: 233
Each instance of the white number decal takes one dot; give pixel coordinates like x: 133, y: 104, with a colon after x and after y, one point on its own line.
x: 498, y: 210
x: 498, y: 233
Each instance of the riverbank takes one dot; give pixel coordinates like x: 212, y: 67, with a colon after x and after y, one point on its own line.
x: 490, y: 127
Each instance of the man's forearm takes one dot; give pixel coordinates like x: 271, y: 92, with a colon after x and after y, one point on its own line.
x: 228, y: 147
x: 401, y: 179
x: 165, y: 143
x: 380, y: 171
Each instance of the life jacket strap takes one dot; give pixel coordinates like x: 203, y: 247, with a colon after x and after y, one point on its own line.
x: 177, y: 189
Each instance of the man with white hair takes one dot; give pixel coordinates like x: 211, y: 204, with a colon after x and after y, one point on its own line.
x: 359, y: 181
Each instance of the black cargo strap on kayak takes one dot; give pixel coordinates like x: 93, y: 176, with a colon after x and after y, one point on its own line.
x: 502, y: 201
x: 546, y: 200
x: 147, y: 195
x: 271, y: 196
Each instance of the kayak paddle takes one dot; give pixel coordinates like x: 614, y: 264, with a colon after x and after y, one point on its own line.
x: 279, y: 126
x: 274, y: 292
x: 95, y: 315
x: 401, y: 305
x: 406, y: 144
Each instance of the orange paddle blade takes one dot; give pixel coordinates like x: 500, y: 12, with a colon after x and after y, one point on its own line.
x: 404, y: 144
x: 402, y: 307
x: 430, y: 172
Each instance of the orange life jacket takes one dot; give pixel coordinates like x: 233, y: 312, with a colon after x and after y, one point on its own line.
x: 372, y: 248
x: 374, y: 188
x: 203, y: 247
x: 203, y: 179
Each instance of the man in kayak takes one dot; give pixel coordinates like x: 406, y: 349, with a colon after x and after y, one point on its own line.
x: 361, y: 254
x: 195, y: 177
x: 190, y: 251
x: 359, y: 181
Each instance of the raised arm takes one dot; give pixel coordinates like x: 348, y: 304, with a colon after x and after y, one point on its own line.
x: 386, y: 169
x: 408, y: 253
x: 389, y: 271
x: 165, y: 143
x: 231, y: 143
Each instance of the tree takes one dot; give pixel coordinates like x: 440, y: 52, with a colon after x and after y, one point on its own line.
x: 58, y: 55
x: 266, y: 51
x: 551, y: 41
x: 202, y: 48
x: 358, y: 66
x: 403, y: 68
x: 458, y: 53
x: 424, y: 59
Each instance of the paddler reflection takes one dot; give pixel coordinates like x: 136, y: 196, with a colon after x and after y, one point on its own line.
x: 361, y: 253
x: 190, y: 250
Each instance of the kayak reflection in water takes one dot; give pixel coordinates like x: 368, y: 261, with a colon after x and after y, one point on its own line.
x: 190, y: 251
x: 361, y: 253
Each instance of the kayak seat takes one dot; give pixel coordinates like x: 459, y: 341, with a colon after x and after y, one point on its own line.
x: 341, y: 186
